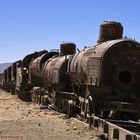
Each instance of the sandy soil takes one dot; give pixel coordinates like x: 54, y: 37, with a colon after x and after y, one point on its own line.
x: 26, y: 121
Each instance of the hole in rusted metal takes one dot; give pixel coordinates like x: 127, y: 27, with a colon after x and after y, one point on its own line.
x: 125, y: 77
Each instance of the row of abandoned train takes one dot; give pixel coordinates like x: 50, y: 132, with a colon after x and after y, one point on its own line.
x: 103, y: 79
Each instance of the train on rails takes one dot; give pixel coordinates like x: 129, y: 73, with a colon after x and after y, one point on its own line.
x: 103, y: 79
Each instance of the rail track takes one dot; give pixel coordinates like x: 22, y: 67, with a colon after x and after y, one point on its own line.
x: 115, y: 129
x: 108, y: 129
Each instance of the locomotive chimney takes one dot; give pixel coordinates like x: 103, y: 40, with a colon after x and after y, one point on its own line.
x: 67, y: 48
x: 110, y: 30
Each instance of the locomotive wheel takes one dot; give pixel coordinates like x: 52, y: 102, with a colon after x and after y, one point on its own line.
x: 58, y: 107
x: 24, y: 95
x: 89, y: 108
x: 33, y: 98
x: 70, y: 108
x: 45, y: 100
x: 38, y: 98
x: 63, y: 103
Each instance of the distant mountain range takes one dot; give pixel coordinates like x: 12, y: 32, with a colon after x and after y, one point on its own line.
x: 4, y: 66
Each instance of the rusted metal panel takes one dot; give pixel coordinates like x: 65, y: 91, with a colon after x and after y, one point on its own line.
x: 120, y: 69
x: 13, y: 70
x: 88, y: 62
x: 48, y: 70
x: 27, y: 59
x: 19, y: 77
x: 9, y: 74
x: 36, y: 65
x: 23, y: 69
x: 67, y: 48
x: 54, y: 69
x: 110, y: 30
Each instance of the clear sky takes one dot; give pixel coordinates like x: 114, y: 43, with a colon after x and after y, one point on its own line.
x: 30, y: 25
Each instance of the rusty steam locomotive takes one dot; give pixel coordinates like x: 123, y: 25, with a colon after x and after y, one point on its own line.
x: 103, y: 79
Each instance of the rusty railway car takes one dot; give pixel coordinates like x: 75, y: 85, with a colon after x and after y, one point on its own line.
x: 36, y: 78
x: 105, y: 77
x: 6, y: 79
x: 36, y: 68
x: 22, y: 86
x: 56, y: 78
x: 14, y: 76
x: 102, y: 79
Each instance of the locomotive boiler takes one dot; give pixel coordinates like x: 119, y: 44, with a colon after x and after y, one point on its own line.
x: 36, y: 68
x: 55, y: 69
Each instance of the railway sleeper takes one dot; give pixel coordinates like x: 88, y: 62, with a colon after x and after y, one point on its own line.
x: 111, y: 131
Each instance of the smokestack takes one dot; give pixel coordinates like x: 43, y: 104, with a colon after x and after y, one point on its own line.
x: 67, y: 48
x: 110, y: 30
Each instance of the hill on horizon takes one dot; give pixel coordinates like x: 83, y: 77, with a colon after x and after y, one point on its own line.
x: 4, y: 66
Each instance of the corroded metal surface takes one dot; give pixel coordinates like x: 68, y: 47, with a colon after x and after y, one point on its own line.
x: 110, y: 30
x: 67, y: 48
x: 55, y: 68
x: 36, y: 65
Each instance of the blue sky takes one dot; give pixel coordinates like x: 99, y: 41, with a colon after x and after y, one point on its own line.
x: 30, y: 25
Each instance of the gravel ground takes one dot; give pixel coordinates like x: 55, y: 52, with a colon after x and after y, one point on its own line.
x: 25, y: 121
